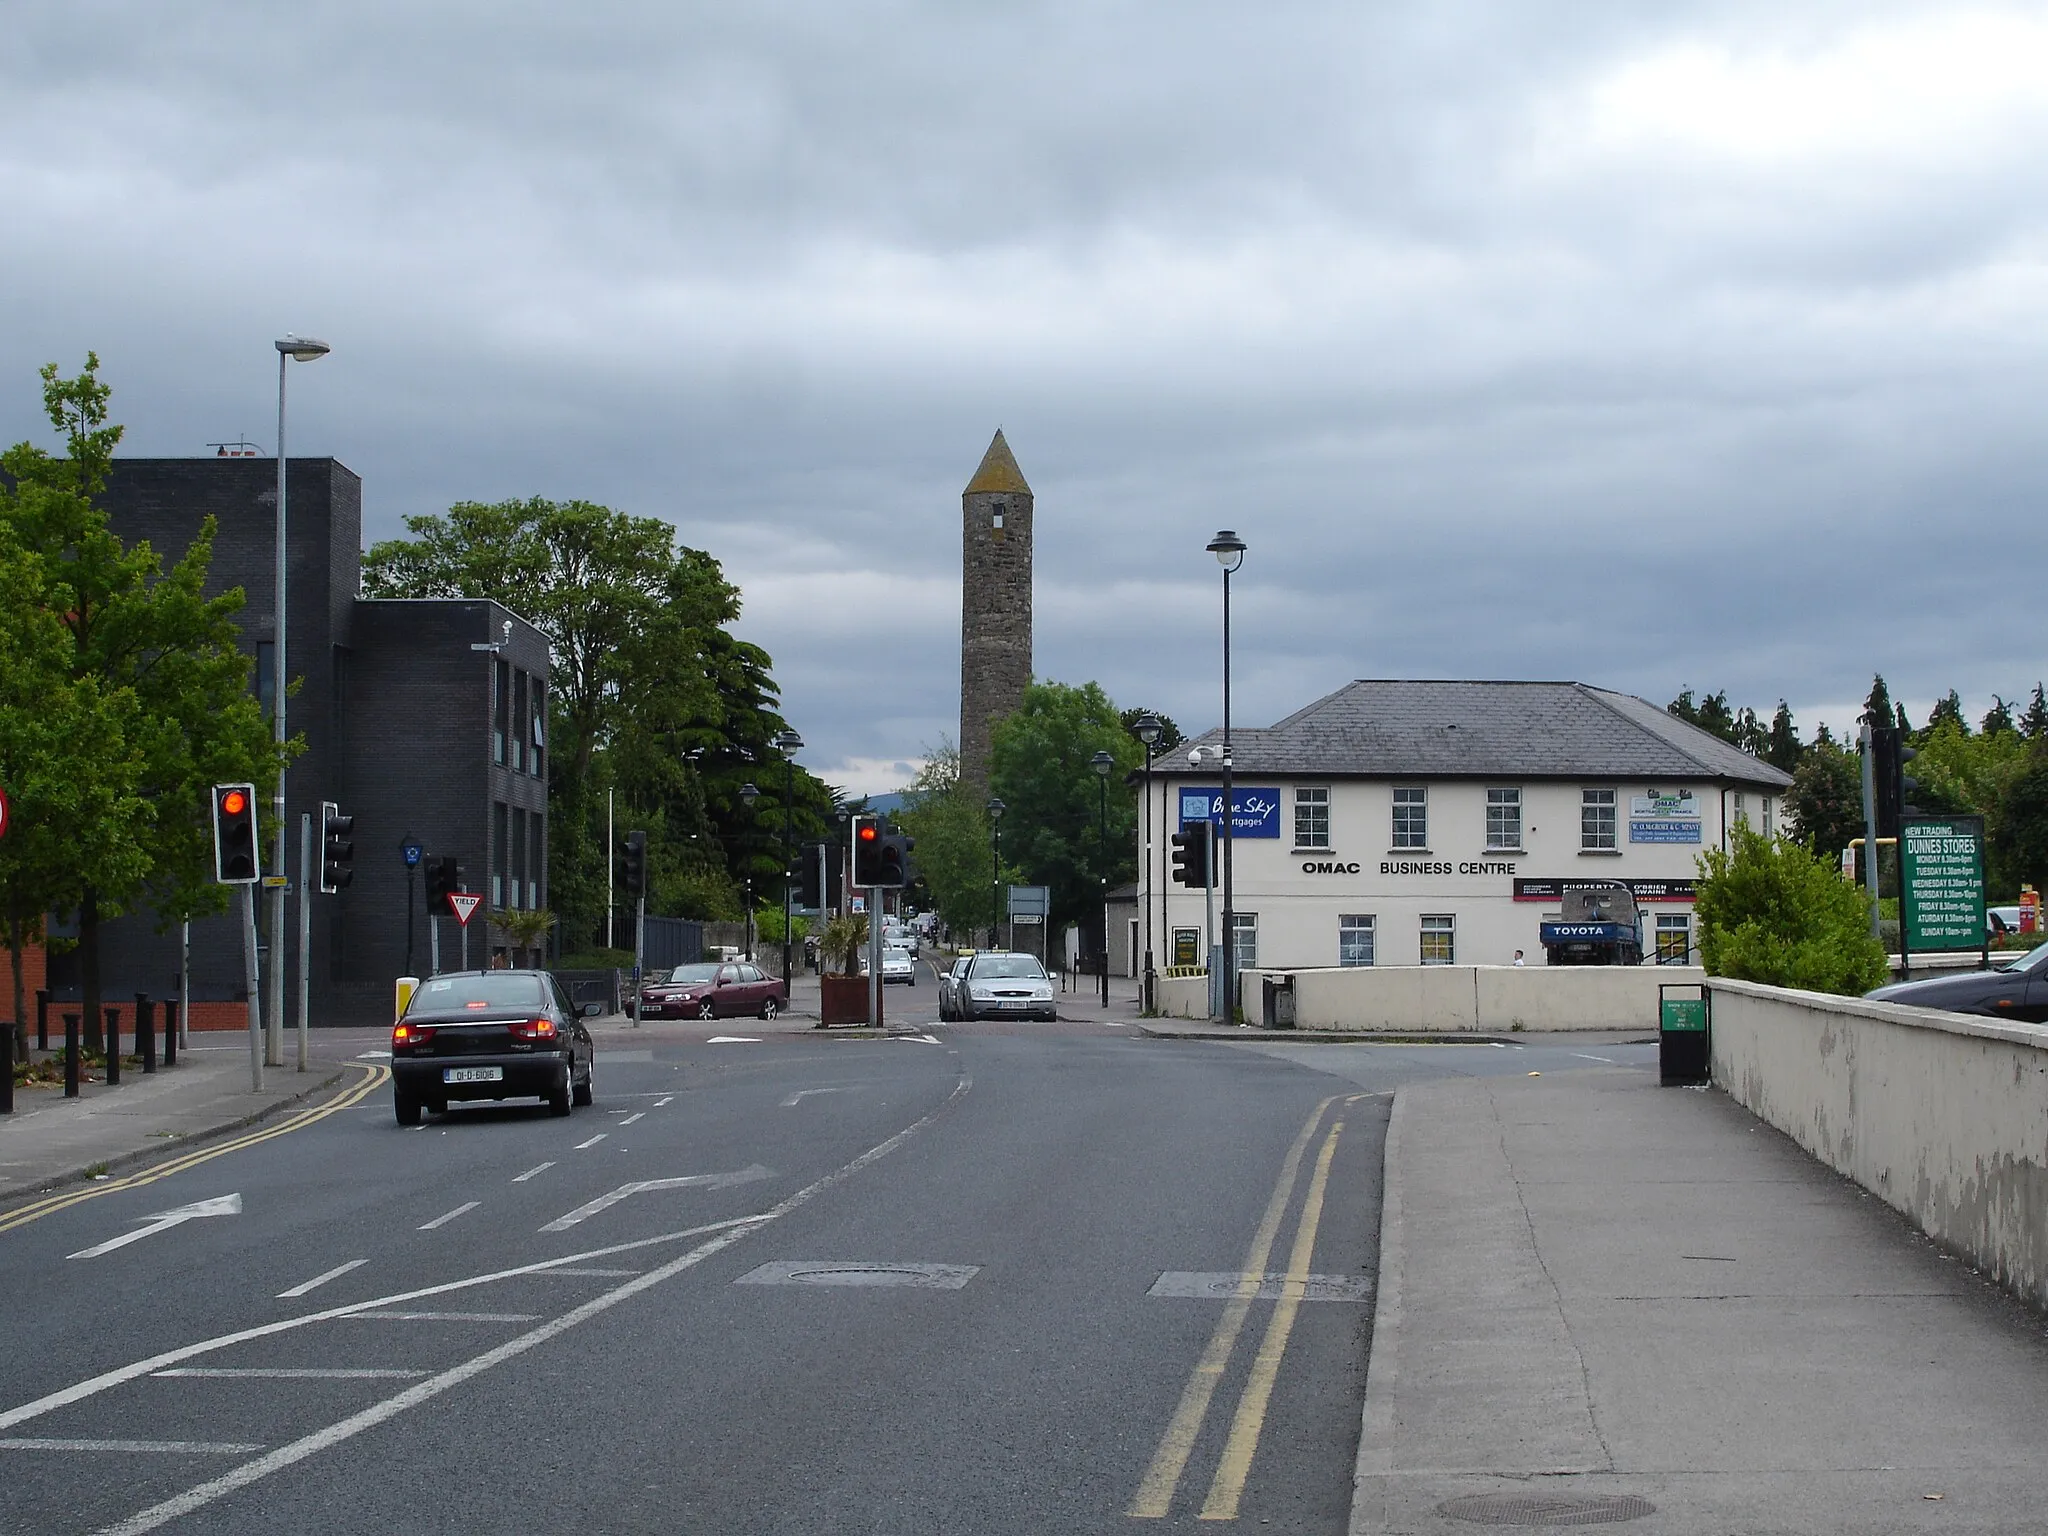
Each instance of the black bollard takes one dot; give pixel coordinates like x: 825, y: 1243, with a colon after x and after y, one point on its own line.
x: 112, y: 1018
x: 42, y: 1018
x: 145, y: 1033
x: 71, y: 1023
x: 170, y: 1031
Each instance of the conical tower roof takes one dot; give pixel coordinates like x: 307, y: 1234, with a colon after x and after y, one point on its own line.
x: 998, y: 472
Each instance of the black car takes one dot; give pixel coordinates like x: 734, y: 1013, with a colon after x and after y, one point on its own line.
x: 2018, y: 990
x: 490, y: 1035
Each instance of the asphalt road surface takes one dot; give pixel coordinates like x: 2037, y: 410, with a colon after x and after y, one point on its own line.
x: 989, y: 1278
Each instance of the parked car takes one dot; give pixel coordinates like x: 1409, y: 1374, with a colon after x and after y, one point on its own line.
x: 490, y: 1035
x: 899, y: 965
x: 2016, y: 990
x: 2000, y: 921
x: 714, y: 989
x: 949, y: 984
x: 1000, y: 985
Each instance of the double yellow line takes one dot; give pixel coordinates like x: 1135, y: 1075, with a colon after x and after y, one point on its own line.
x: 373, y: 1079
x: 1162, y: 1479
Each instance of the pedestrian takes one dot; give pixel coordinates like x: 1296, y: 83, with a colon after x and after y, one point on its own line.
x: 1518, y: 957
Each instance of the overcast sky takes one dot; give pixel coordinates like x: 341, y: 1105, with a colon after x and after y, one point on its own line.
x: 1652, y: 346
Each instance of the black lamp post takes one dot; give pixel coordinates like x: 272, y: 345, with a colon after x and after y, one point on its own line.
x: 1102, y: 763
x: 995, y: 869
x: 1228, y: 549
x: 788, y: 743
x: 748, y: 795
x: 1148, y: 731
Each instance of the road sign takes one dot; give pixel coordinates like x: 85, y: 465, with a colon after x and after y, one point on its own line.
x: 1942, y: 859
x: 410, y: 851
x: 464, y: 904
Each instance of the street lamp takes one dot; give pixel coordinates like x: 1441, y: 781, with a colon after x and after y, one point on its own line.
x: 788, y: 743
x: 995, y: 869
x: 748, y: 795
x: 1228, y: 549
x: 1103, y: 763
x: 1148, y: 730
x: 300, y: 349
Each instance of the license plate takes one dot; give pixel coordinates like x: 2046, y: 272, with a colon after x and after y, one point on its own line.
x: 1015, y: 1002
x: 472, y: 1074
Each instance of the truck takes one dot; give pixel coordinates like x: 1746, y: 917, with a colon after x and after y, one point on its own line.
x: 1599, y: 925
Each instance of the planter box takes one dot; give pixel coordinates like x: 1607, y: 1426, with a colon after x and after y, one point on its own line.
x: 842, y: 1000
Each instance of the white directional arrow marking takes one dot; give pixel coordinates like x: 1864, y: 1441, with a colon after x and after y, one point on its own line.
x: 804, y: 1093
x: 643, y: 1186
x: 221, y: 1205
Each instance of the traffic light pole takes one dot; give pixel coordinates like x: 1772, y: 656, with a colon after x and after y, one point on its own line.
x: 875, y: 957
x: 433, y: 943
x: 254, y: 984
x: 640, y: 952
x: 1209, y: 915
x: 305, y: 925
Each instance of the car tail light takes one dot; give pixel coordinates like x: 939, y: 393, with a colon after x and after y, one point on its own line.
x: 533, y: 1029
x: 411, y: 1034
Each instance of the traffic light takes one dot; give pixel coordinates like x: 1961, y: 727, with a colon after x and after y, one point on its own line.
x: 444, y: 879
x: 867, y: 848
x: 1191, y: 854
x: 633, y: 866
x: 236, y: 860
x: 338, y: 849
x: 1893, y: 783
x: 815, y: 888
x: 892, y: 859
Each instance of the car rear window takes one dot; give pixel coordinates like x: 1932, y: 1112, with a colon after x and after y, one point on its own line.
x: 509, y: 991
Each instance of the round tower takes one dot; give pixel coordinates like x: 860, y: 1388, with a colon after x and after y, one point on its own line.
x: 995, y: 605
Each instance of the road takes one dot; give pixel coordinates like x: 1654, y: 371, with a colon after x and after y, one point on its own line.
x: 997, y: 1277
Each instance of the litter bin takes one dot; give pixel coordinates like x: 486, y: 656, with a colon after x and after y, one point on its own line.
x: 1685, y: 1034
x: 1278, y: 1002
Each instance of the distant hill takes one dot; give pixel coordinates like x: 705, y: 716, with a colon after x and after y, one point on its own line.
x: 884, y: 804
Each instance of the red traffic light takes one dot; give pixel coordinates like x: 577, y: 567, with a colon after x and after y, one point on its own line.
x: 234, y: 802
x: 867, y: 832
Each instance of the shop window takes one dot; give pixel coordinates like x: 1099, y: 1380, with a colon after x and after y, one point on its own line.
x: 1504, y: 819
x: 1440, y: 939
x: 1411, y: 816
x: 1355, y: 940
x: 1674, y: 938
x: 1312, y: 818
x: 1247, y: 926
x: 1596, y: 821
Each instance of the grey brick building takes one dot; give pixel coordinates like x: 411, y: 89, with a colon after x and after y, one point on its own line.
x: 995, y: 605
x: 409, y: 727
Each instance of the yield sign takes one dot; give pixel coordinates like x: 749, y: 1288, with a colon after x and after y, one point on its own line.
x: 223, y: 1205
x: 464, y: 903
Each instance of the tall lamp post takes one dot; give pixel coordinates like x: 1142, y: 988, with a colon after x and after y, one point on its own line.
x: 1228, y: 549
x: 1148, y: 731
x: 788, y: 743
x: 995, y: 869
x: 748, y: 795
x: 1103, y: 763
x: 298, y: 349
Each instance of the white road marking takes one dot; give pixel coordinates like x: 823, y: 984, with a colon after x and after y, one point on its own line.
x: 804, y: 1093
x: 291, y: 1373
x: 667, y: 1098
x: 638, y: 1114
x: 163, y: 1221
x: 596, y: 1273
x: 317, y: 1281
x: 442, y: 1221
x: 919, y: 1039
x: 449, y: 1317
x: 1497, y: 1045
x: 374, y: 1056
x: 185, y: 1447
x: 642, y: 1186
x: 1584, y: 1057
x: 732, y: 1040
x: 600, y: 1136
x: 537, y: 1168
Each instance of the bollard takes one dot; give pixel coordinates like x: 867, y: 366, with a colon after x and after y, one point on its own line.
x: 145, y: 1033
x: 7, y: 1075
x: 111, y: 1017
x: 170, y: 1031
x: 71, y: 1023
x: 42, y: 1018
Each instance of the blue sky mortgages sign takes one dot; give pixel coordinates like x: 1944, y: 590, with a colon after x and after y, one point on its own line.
x: 1257, y: 810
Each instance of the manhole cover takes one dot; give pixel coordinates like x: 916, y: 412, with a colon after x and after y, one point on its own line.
x: 930, y: 1277
x: 1547, y: 1508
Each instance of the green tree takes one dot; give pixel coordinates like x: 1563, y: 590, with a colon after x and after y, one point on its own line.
x: 1949, y: 711
x: 1169, y: 734
x: 955, y: 852
x: 1781, y: 748
x: 1772, y: 912
x: 1825, y: 802
x: 1877, y: 709
x: 2034, y: 722
x: 1039, y: 765
x: 1709, y: 714
x: 1998, y: 719
x: 2019, y: 833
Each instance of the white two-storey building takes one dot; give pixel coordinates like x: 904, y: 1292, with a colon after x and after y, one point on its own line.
x: 1437, y: 823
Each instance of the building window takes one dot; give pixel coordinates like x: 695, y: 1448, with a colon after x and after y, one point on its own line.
x: 1312, y: 818
x: 501, y: 852
x: 995, y: 526
x: 1767, y: 815
x: 501, y: 707
x: 1440, y: 939
x: 536, y: 857
x: 518, y: 722
x: 517, y: 863
x: 1504, y: 818
x: 1247, y: 925
x: 1741, y: 814
x: 1411, y: 816
x: 540, y: 726
x: 1596, y: 820
x: 266, y: 680
x: 1674, y: 938
x: 1354, y: 940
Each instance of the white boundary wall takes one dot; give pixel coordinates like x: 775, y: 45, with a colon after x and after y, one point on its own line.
x: 1942, y: 1115
x: 1454, y: 999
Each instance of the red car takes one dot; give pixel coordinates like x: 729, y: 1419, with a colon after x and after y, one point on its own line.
x: 714, y: 990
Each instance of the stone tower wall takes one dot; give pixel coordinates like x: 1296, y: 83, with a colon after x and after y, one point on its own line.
x: 995, y: 621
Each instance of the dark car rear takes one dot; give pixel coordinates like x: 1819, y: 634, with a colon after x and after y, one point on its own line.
x: 489, y: 1035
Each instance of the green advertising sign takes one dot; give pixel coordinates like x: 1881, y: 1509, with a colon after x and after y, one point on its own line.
x: 1943, y: 864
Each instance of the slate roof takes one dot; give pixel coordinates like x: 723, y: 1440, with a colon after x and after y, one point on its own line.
x: 998, y: 471
x: 1381, y: 728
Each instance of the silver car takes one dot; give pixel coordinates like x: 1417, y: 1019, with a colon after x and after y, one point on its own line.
x: 997, y: 986
x: 949, y: 988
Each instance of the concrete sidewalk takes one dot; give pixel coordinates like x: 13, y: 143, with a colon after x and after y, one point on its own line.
x: 1602, y: 1301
